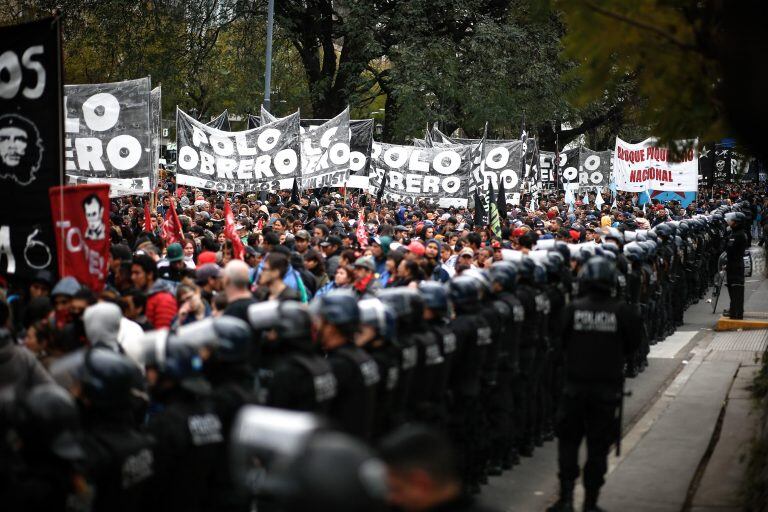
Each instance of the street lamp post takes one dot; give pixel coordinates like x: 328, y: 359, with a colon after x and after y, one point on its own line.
x: 268, y: 72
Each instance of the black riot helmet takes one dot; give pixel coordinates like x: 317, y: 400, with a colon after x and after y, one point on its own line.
x: 526, y: 270
x: 228, y: 336
x: 435, y: 296
x: 108, y: 379
x: 664, y: 231
x: 464, y: 292
x: 46, y: 418
x: 380, y: 316
x: 285, y: 455
x: 598, y: 274
x: 184, y: 366
x: 737, y: 218
x: 338, y: 307
x: 483, y: 281
x: 290, y: 319
x: 406, y: 303
x: 504, y: 273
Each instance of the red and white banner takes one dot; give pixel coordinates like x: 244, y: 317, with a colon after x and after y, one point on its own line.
x: 172, y: 232
x: 238, y: 249
x: 81, y: 223
x: 647, y: 166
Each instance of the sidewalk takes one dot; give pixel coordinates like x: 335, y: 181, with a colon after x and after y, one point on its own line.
x: 692, y: 445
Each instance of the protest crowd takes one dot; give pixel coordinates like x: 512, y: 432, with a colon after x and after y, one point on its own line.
x: 297, y: 317
x: 416, y: 314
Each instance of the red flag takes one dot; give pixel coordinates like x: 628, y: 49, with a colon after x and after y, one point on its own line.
x: 172, y: 232
x: 362, y: 234
x: 238, y: 250
x: 147, y: 218
x: 81, y: 220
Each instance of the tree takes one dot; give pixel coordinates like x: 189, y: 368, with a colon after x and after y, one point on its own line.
x: 699, y: 64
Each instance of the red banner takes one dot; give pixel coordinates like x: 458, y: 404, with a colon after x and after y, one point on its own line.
x: 81, y: 223
x: 238, y: 250
x: 147, y: 217
x: 172, y: 232
x: 362, y: 233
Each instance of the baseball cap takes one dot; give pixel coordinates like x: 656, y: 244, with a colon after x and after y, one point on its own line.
x: 331, y: 240
x: 207, y: 271
x: 206, y: 257
x: 416, y: 248
x: 175, y: 252
x: 365, y: 262
x: 303, y: 234
x: 467, y: 251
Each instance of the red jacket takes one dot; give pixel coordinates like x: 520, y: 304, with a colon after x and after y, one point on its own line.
x: 161, y: 305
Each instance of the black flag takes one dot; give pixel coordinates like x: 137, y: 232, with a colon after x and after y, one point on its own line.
x: 479, y: 211
x: 380, y: 193
x: 295, y: 198
x: 501, y: 202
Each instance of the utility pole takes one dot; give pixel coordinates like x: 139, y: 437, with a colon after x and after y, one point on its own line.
x: 268, y: 72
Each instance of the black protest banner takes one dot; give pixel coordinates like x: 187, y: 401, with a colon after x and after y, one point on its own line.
x: 31, y: 144
x: 360, y: 141
x: 502, y: 163
x: 706, y: 164
x: 109, y: 135
x: 718, y: 165
x: 266, y: 158
x: 156, y: 103
x: 547, y: 170
x: 325, y: 153
x: 220, y: 122
x: 568, y: 168
x: 435, y: 175
x: 594, y: 168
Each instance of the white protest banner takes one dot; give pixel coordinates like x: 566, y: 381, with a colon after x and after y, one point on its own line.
x: 325, y: 153
x: 435, y: 175
x: 108, y: 135
x: 266, y: 158
x: 647, y: 166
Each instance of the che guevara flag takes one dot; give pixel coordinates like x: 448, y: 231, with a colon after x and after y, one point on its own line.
x: 81, y: 225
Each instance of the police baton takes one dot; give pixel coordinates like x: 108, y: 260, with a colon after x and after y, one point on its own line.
x: 619, y: 419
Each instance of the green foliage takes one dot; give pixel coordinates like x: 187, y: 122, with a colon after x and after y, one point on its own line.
x: 658, y: 45
x: 405, y: 62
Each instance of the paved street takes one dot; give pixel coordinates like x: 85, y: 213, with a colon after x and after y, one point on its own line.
x: 685, y: 422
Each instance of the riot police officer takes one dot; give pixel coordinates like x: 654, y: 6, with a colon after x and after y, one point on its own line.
x: 377, y: 336
x: 436, y: 317
x: 337, y: 318
x: 600, y: 332
x: 119, y: 461
x: 465, y: 383
x: 187, y: 428
x: 292, y: 375
x: 421, y: 356
x: 225, y: 342
x: 736, y: 245
x: 41, y: 467
x: 503, y: 277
